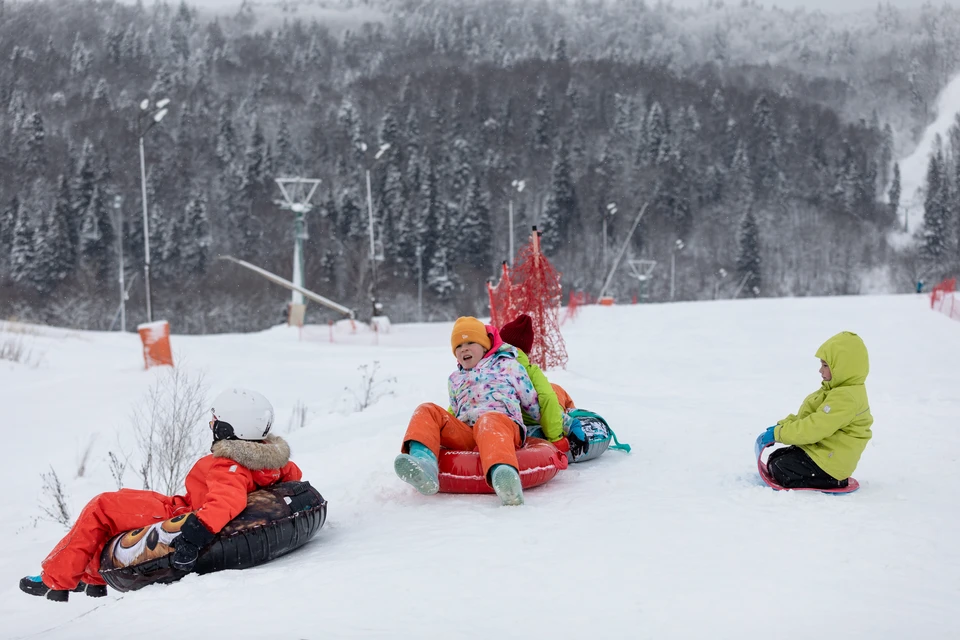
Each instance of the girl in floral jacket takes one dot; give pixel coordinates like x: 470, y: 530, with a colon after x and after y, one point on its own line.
x: 489, y: 393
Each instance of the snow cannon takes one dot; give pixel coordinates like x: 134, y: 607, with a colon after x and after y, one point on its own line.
x: 277, y: 520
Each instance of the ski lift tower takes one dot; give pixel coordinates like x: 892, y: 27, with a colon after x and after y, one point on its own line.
x: 297, y: 193
x: 641, y: 269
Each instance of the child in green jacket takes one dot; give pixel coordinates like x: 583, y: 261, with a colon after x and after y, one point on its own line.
x: 554, y: 422
x: 830, y: 431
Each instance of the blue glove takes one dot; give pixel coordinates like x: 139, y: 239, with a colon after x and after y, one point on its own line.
x: 579, y: 444
x: 764, y: 440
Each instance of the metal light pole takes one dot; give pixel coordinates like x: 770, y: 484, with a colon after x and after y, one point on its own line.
x: 611, y: 209
x: 518, y: 185
x: 373, y: 247
x: 155, y: 114
x: 117, y: 203
x: 419, y: 284
x: 673, y: 266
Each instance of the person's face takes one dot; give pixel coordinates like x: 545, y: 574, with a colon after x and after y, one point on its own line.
x: 825, y: 371
x: 469, y: 354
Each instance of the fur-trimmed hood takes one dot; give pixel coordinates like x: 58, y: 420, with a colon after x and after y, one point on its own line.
x: 271, y: 453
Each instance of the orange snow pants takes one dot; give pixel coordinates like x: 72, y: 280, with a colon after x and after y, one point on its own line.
x: 565, y: 400
x: 495, y: 435
x: 77, y: 556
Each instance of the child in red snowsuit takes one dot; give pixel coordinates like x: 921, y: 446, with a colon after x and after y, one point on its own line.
x: 244, y: 458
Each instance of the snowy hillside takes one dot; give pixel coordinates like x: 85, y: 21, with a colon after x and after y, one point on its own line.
x: 675, y: 540
x: 913, y: 168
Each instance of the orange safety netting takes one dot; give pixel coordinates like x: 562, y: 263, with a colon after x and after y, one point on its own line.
x: 943, y: 298
x: 533, y: 288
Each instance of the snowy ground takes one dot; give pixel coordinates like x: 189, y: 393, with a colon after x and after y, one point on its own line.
x: 675, y: 540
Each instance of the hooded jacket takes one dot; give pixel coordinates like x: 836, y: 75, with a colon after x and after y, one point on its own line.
x: 218, y: 484
x: 833, y: 423
x: 497, y: 383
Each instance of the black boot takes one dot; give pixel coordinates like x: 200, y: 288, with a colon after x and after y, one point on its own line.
x: 35, y: 587
x: 92, y: 590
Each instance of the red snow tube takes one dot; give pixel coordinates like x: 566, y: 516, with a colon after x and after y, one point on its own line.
x: 460, y: 471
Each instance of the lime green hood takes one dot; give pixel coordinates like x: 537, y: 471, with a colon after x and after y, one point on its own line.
x: 846, y: 355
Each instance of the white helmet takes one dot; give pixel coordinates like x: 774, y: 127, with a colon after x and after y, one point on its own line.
x: 241, y: 414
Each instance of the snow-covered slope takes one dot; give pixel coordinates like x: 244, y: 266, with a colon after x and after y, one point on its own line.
x: 675, y: 540
x: 913, y: 168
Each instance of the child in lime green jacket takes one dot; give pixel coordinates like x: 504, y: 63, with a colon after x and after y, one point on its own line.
x: 554, y: 422
x: 830, y: 431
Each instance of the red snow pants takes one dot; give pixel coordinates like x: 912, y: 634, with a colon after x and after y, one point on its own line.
x: 495, y: 435
x: 77, y: 556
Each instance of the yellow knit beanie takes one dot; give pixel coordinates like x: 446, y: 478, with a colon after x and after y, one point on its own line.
x: 469, y: 329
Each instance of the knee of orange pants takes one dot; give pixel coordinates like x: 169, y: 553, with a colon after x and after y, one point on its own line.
x: 498, y: 438
x: 425, y: 425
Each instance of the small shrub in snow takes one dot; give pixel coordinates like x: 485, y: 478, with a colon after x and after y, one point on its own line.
x: 298, y: 419
x: 84, y: 457
x: 167, y: 428
x: 118, y: 468
x: 370, y: 389
x: 54, y: 503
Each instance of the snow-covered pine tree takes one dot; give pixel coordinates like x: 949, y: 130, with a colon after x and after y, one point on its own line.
x: 935, y: 221
x: 83, y: 182
x: 53, y: 253
x: 287, y: 160
x: 35, y: 149
x: 23, y: 249
x: 542, y: 134
x: 748, y: 253
x: 227, y: 148
x: 893, y: 195
x: 576, y: 135
x: 441, y: 277
x: 43, y: 270
x: 100, y: 101
x: 8, y: 220
x: 561, y: 213
x: 675, y: 190
x: 392, y: 210
x: 427, y: 223
x: 764, y: 145
x: 740, y: 180
x: 97, y: 235
x: 390, y: 134
x: 473, y: 239
x: 656, y: 136
x: 350, y: 131
x: 195, y: 251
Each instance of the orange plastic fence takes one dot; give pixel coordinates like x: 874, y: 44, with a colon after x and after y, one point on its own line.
x: 943, y: 298
x: 155, y: 337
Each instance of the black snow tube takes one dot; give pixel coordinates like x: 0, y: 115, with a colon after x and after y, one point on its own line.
x: 277, y: 520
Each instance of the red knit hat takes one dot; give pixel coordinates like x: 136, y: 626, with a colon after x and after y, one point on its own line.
x: 519, y: 333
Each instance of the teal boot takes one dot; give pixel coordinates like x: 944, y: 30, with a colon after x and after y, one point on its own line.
x: 418, y: 468
x: 506, y: 482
